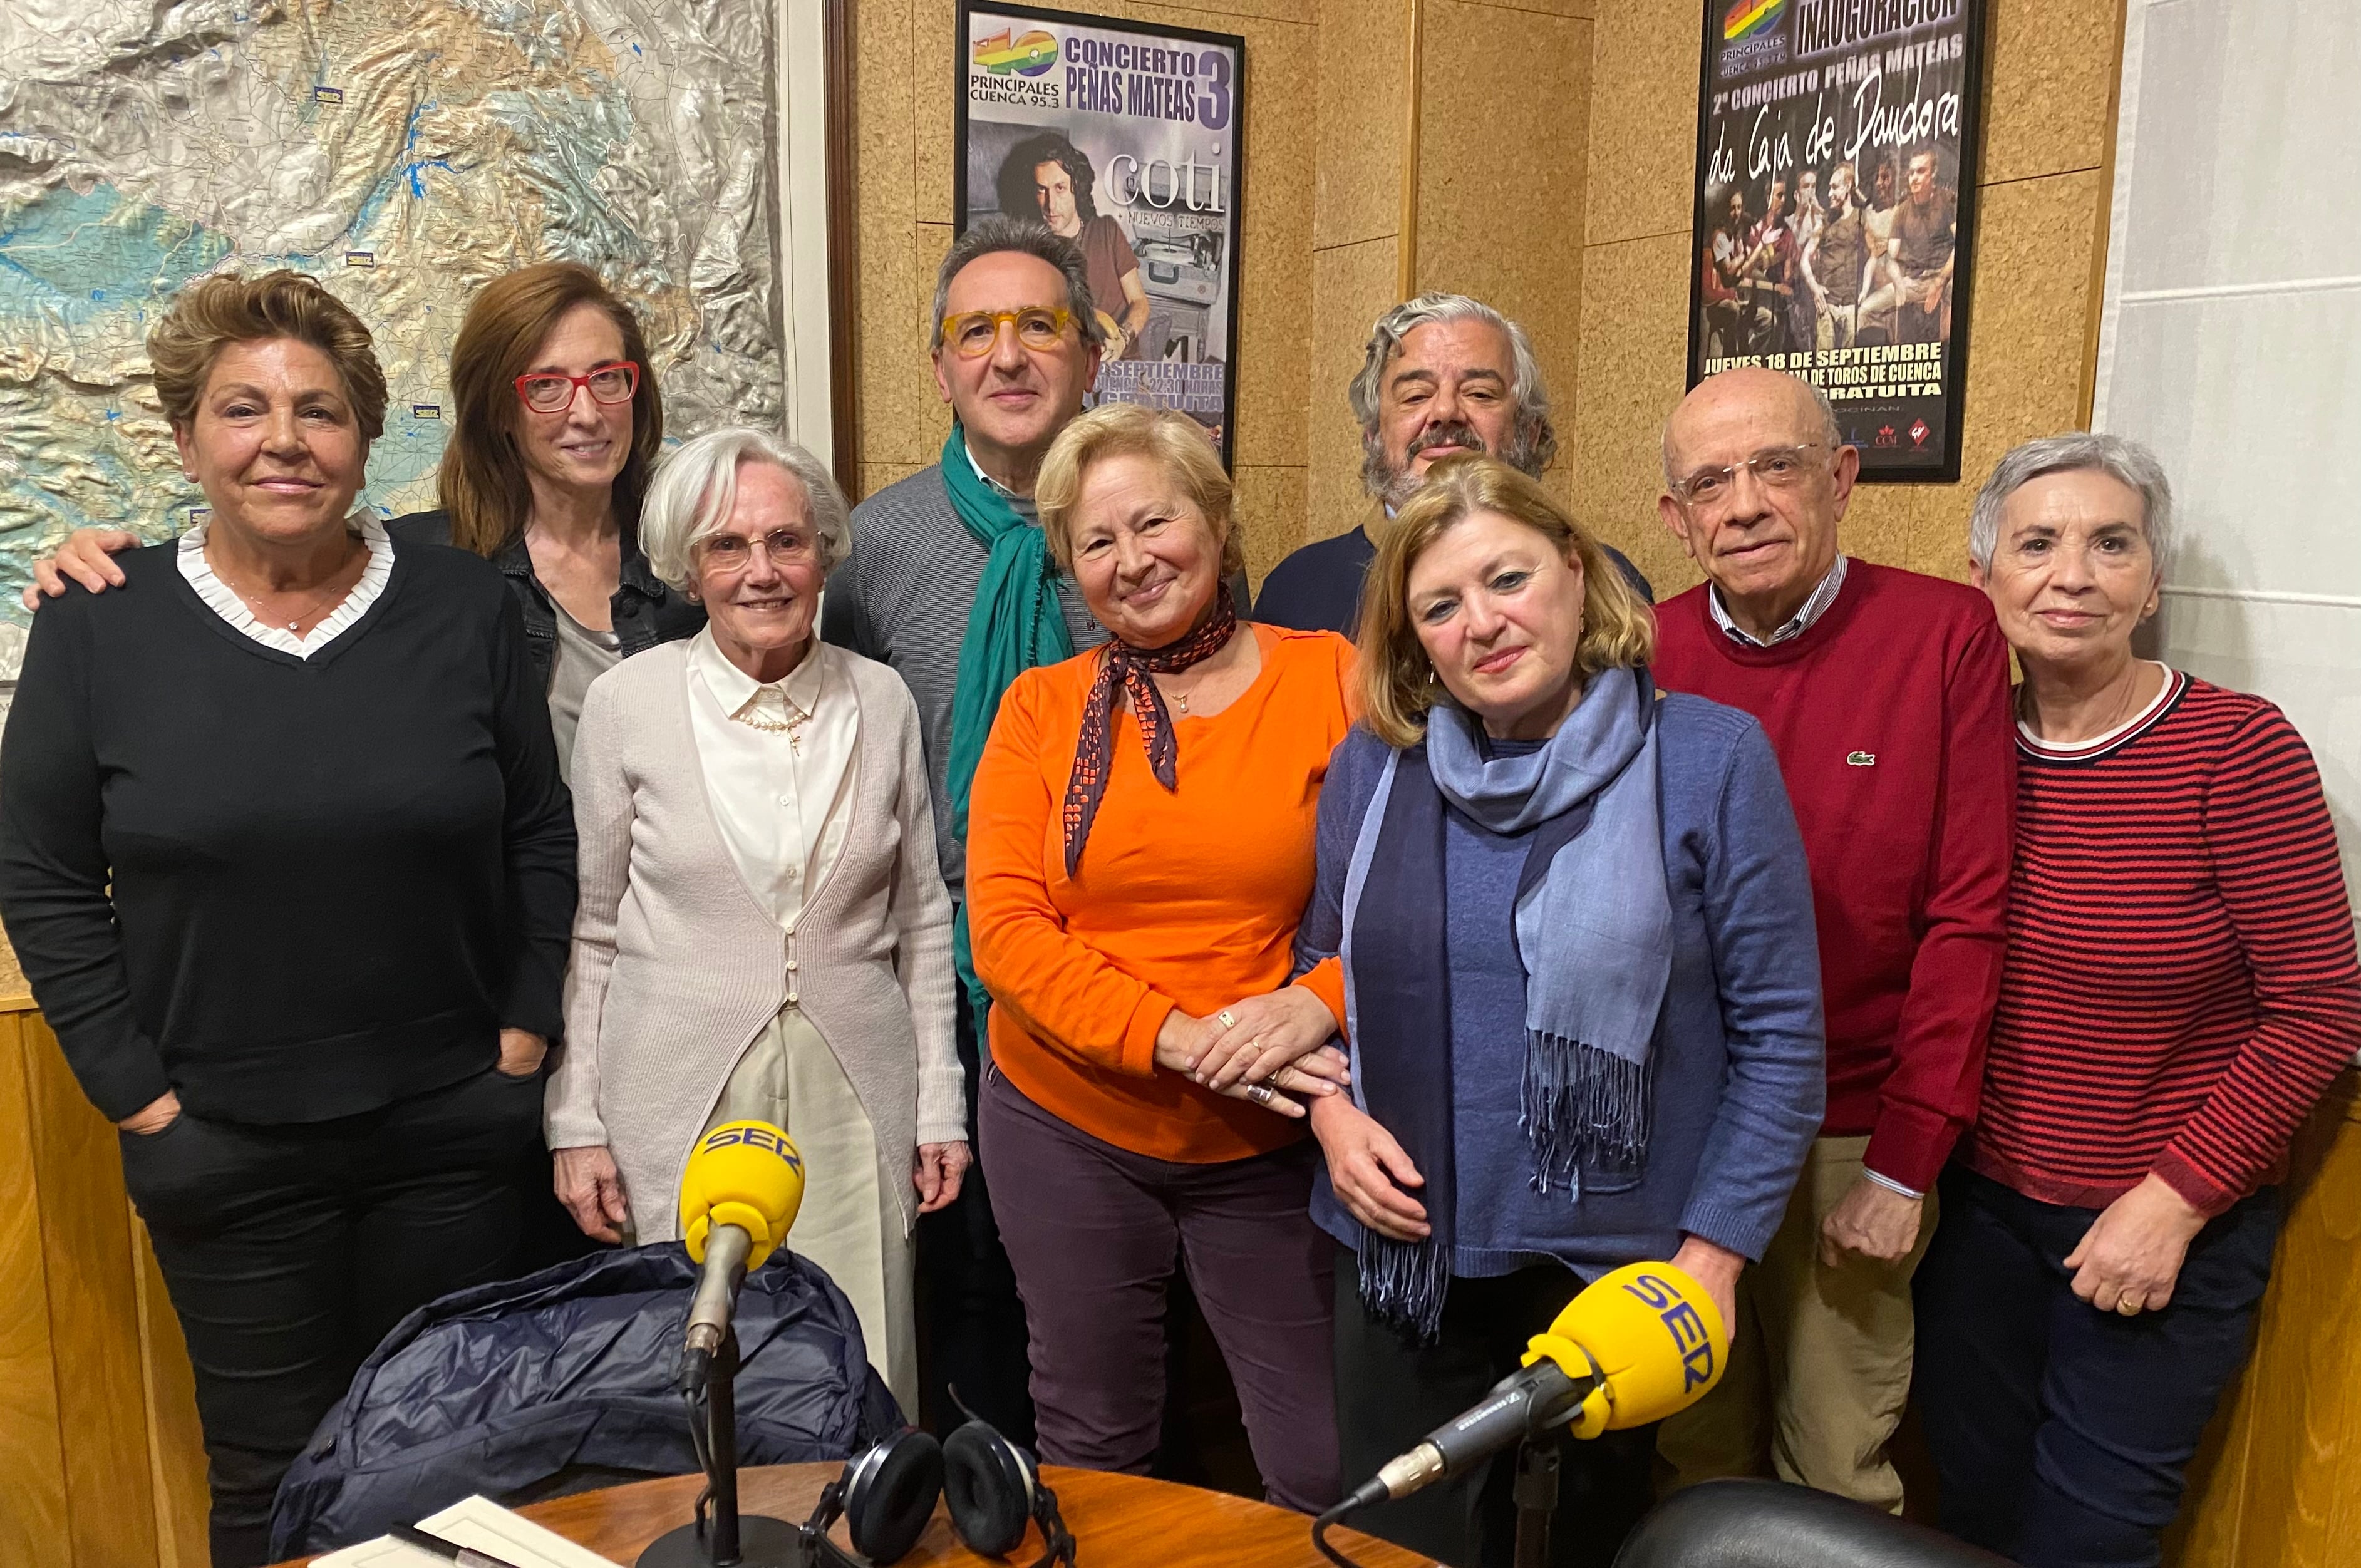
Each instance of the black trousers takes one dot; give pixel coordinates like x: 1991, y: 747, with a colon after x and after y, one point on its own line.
x: 290, y: 1250
x: 2061, y: 1433
x: 972, y: 1334
x: 1392, y: 1391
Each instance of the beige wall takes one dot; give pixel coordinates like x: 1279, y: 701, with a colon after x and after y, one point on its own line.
x: 1554, y: 145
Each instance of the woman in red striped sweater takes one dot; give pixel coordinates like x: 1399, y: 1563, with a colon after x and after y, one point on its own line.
x: 2179, y: 988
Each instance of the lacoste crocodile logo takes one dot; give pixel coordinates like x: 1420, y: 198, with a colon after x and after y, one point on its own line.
x: 1860, y: 760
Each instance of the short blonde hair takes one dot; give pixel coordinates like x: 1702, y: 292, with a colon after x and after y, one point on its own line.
x: 1398, y: 681
x: 1122, y: 430
x: 208, y: 316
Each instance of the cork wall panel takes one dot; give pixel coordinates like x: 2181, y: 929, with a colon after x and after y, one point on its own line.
x: 932, y: 415
x: 2050, y: 78
x: 1352, y: 285
x: 887, y: 371
x: 1363, y: 119
x: 1634, y: 302
x: 1269, y: 503
x: 1501, y: 175
x: 934, y: 102
x: 1643, y: 119
x: 1585, y: 9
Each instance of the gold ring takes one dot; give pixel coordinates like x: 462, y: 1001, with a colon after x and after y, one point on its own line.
x: 1227, y: 1019
x: 2127, y: 1306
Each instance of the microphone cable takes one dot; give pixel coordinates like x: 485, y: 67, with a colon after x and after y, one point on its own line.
x: 693, y: 1399
x: 1320, y: 1526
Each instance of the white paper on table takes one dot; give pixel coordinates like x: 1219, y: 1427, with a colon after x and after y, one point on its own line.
x: 479, y: 1522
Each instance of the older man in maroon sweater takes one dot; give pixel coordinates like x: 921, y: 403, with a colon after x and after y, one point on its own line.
x: 1886, y: 695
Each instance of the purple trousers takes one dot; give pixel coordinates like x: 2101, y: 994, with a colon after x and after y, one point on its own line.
x: 1095, y: 1231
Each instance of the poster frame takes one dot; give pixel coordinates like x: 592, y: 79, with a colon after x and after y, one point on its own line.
x: 1976, y: 24
x: 1234, y: 42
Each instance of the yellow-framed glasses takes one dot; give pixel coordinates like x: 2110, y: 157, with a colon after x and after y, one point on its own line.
x: 1038, y: 327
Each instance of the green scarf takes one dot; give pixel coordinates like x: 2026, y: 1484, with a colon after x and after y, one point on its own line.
x: 1014, y: 625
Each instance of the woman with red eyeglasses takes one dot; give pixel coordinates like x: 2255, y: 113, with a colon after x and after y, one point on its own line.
x: 555, y: 423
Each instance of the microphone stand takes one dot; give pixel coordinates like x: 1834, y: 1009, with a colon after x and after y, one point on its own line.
x: 1537, y: 1494
x: 731, y: 1541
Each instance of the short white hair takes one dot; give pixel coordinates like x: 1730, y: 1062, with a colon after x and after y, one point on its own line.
x: 696, y: 488
x: 2122, y: 459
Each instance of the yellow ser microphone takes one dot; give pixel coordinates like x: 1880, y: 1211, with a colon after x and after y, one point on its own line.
x: 1637, y: 1345
x: 738, y: 1195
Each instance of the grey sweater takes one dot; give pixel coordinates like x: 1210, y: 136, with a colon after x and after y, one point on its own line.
x: 903, y: 596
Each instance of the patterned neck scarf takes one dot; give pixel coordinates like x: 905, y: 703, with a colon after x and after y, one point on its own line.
x: 1132, y: 667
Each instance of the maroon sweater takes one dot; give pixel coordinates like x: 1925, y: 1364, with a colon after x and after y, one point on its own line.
x: 1891, y: 718
x: 2180, y: 983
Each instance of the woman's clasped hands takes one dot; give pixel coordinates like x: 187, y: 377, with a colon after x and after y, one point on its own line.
x: 1272, y: 1050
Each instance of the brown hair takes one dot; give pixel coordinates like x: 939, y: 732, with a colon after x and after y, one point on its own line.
x: 1398, y: 683
x: 482, y: 480
x: 1121, y: 430
x: 209, y: 316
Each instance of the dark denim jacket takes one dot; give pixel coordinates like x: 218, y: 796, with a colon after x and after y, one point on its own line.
x: 645, y: 611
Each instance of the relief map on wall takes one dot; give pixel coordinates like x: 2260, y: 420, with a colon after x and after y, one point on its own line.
x: 401, y: 150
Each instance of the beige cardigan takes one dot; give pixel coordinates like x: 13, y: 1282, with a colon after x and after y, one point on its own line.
x: 676, y: 967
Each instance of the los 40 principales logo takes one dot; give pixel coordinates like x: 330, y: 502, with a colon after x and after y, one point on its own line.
x: 1028, y: 54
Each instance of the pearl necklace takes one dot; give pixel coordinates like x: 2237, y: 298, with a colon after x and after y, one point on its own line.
x: 793, y: 728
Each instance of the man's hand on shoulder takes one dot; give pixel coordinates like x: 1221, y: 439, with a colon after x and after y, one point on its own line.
x: 85, y: 557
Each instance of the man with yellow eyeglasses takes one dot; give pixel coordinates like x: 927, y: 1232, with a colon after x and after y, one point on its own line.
x: 949, y: 582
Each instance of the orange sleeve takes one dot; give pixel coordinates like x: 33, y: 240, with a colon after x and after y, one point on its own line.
x: 1325, y: 979
x: 1065, y: 992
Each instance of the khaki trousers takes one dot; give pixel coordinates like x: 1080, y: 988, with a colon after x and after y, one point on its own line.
x: 1820, y: 1365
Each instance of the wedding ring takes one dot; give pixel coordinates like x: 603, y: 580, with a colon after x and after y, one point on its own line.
x: 1259, y: 1093
x: 1227, y: 1019
x: 2127, y: 1306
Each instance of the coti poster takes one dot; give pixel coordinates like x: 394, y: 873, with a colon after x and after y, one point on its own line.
x: 1124, y: 138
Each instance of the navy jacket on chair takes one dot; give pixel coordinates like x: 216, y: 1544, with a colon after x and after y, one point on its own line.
x: 563, y: 1380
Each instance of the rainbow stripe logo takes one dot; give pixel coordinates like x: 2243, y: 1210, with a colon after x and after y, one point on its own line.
x: 1028, y: 55
x: 1749, y: 17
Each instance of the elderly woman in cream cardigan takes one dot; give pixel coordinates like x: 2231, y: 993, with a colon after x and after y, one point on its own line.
x: 763, y: 929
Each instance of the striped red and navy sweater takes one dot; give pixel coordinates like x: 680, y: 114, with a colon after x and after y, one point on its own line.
x: 2180, y: 982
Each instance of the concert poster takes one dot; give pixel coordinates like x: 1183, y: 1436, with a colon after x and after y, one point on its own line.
x: 1835, y: 212
x: 1124, y: 137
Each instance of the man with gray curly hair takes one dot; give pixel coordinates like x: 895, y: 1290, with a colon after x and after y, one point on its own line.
x: 1443, y: 376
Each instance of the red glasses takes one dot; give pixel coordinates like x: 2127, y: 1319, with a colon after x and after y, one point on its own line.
x: 549, y: 392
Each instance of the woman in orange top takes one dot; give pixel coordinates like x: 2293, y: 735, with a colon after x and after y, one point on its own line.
x: 1140, y: 850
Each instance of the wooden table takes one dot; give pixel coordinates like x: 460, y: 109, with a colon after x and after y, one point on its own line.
x: 1121, y: 1521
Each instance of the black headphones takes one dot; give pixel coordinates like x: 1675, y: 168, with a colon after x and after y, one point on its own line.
x: 887, y: 1495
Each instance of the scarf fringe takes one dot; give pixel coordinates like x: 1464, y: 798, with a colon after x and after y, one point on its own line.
x: 1582, y: 1106
x: 1402, y: 1283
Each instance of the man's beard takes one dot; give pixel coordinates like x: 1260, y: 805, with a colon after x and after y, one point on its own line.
x: 1395, y: 486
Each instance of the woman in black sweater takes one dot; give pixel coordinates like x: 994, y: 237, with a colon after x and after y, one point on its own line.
x: 285, y: 854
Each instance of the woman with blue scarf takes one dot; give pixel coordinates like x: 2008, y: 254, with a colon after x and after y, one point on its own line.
x: 1582, y: 991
